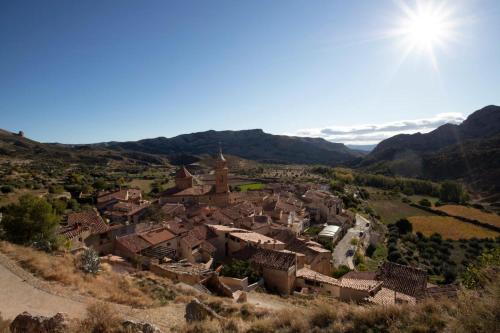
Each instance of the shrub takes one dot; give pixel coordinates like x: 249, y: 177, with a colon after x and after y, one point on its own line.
x: 4, y: 325
x: 340, y: 271
x: 404, y: 226
x: 6, y: 189
x: 425, y: 202
x: 90, y: 261
x: 100, y: 318
x: 240, y: 269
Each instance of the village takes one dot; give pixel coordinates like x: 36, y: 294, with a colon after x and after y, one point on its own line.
x: 200, y: 230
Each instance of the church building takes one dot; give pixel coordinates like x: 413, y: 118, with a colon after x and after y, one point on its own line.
x: 188, y: 189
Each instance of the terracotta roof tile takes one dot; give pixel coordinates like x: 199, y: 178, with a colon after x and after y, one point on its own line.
x: 311, y: 275
x: 157, y: 236
x: 404, y: 279
x: 134, y: 243
x: 267, y: 258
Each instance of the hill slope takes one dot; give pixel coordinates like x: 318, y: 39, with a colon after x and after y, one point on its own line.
x: 15, y: 146
x: 248, y: 144
x: 470, y: 151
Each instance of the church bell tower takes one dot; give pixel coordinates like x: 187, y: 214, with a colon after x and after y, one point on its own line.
x: 221, y: 172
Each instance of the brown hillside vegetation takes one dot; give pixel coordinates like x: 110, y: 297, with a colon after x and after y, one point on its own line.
x: 107, y: 285
x: 472, y: 312
x: 471, y: 213
x: 449, y: 227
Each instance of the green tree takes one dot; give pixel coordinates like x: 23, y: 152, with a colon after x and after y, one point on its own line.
x: 404, y: 226
x: 425, y: 202
x: 240, y: 269
x: 452, y: 192
x: 33, y: 221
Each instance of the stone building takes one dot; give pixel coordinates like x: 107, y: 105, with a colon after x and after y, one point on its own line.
x: 188, y: 189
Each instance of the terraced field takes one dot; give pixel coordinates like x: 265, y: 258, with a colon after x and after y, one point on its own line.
x: 449, y: 227
x: 471, y: 213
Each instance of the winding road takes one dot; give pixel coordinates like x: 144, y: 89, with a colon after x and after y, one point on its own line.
x: 339, y: 254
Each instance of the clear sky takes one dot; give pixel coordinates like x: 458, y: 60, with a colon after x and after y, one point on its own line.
x: 91, y: 71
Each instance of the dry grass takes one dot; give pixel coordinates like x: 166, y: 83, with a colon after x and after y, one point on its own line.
x: 4, y: 325
x: 471, y: 213
x: 107, y: 285
x: 332, y: 316
x: 449, y: 227
x: 100, y: 318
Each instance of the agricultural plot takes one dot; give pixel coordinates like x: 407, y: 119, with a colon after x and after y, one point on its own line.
x: 143, y: 184
x: 392, y: 210
x: 449, y: 228
x: 471, y: 213
x: 252, y: 186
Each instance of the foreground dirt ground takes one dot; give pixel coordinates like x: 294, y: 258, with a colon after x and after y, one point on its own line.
x: 20, y: 291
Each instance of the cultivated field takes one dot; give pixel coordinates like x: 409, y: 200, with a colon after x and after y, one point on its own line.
x: 143, y: 184
x: 392, y: 210
x: 449, y: 227
x: 471, y: 213
x: 252, y: 186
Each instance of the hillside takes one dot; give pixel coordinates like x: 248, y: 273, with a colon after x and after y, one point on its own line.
x: 469, y: 151
x: 19, y: 147
x: 249, y: 144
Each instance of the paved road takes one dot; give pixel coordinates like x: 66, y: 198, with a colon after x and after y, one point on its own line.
x: 339, y: 254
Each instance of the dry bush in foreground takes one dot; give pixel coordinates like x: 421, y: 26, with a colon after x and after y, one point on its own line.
x: 4, y: 325
x: 100, y: 318
x: 473, y: 312
x: 106, y: 285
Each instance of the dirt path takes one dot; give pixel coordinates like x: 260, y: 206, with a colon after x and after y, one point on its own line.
x: 21, y: 291
x: 17, y: 296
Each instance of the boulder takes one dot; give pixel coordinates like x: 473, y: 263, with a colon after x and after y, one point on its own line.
x: 25, y: 322
x: 197, y: 311
x: 137, y: 327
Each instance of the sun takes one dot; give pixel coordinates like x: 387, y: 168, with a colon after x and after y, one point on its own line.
x: 426, y: 27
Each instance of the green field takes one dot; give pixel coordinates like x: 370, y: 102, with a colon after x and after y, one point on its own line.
x: 143, y: 184
x: 251, y: 186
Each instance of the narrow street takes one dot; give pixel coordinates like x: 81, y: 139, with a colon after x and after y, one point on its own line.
x: 340, y: 253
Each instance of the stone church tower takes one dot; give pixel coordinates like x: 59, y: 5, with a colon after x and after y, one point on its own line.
x: 183, y: 179
x: 221, y: 172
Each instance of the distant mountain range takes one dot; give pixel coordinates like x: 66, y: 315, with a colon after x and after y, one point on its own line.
x: 252, y: 144
x: 15, y: 146
x: 469, y: 151
x: 362, y: 148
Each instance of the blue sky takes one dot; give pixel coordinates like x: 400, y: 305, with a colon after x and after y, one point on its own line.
x: 91, y: 71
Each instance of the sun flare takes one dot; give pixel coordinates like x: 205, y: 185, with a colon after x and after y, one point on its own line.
x: 426, y: 27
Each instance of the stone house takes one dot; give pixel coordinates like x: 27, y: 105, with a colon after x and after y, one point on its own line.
x: 106, y: 199
x: 277, y: 268
x: 322, y: 205
x: 84, y: 229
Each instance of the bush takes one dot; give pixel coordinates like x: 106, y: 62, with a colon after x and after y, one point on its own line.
x: 100, y: 318
x: 425, y: 202
x: 240, y: 269
x: 4, y: 325
x: 6, y: 189
x: 404, y: 226
x: 340, y: 271
x: 90, y: 261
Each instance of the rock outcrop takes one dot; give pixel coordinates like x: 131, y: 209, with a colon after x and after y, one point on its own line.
x: 26, y: 322
x: 197, y: 311
x: 132, y: 326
